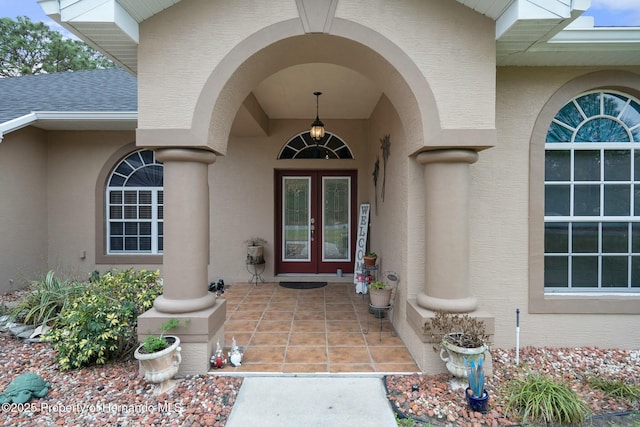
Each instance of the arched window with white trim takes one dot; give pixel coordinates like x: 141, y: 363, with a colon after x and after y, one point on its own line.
x: 302, y: 146
x: 134, y: 205
x: 592, y: 195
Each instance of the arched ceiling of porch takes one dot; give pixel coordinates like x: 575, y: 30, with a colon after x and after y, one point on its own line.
x: 278, y: 81
x: 288, y: 94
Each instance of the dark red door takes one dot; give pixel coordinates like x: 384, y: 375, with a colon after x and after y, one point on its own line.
x: 315, y: 220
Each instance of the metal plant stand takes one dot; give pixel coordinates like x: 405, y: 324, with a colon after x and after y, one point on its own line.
x: 392, y: 279
x: 256, y: 268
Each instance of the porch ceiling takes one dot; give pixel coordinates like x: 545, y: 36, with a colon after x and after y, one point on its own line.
x: 528, y: 33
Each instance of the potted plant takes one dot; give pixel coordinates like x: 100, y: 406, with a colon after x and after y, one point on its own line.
x: 370, y: 259
x: 379, y: 294
x: 477, y: 396
x: 160, y: 357
x: 461, y: 337
x: 255, y: 250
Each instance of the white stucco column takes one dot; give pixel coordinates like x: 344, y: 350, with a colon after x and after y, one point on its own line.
x: 446, y: 269
x: 186, y: 230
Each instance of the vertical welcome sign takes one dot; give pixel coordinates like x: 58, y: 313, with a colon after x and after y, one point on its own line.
x: 361, y: 243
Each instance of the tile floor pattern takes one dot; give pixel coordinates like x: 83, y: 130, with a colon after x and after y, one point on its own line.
x: 309, y: 331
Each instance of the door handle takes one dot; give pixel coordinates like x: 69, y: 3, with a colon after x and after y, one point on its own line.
x: 313, y: 228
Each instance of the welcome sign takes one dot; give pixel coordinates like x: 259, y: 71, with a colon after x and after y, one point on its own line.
x: 361, y: 246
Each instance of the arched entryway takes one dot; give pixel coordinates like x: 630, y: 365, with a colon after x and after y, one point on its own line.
x: 240, y: 201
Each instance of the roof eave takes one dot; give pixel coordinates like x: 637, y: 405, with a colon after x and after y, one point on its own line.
x: 17, y: 123
x: 66, y: 117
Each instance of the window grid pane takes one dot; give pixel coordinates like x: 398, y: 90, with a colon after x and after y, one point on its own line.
x: 592, y: 195
x: 134, y: 215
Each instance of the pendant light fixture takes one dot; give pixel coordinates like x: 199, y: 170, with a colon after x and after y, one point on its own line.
x: 317, y: 127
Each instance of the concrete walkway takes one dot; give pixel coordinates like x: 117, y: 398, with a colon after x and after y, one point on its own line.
x: 312, y: 401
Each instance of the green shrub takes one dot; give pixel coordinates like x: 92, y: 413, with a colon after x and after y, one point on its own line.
x: 100, y: 325
x: 539, y: 399
x: 45, y: 299
x: 615, y: 387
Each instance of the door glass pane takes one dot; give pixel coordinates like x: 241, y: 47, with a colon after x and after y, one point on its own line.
x: 335, y: 218
x: 296, y: 236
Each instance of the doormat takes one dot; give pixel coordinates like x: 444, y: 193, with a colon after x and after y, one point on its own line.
x: 303, y: 285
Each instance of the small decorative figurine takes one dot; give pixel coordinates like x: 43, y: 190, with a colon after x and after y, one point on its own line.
x: 235, y: 356
x: 218, y: 360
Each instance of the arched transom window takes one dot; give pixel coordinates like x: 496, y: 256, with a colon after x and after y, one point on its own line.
x: 302, y: 146
x: 592, y: 195
x: 134, y: 204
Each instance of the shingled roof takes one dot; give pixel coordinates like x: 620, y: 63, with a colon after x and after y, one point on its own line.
x: 111, y: 89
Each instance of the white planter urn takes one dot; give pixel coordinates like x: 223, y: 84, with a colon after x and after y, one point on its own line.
x: 161, y: 366
x: 454, y: 357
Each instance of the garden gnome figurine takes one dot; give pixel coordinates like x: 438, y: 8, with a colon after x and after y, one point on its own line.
x: 218, y: 360
x: 235, y: 357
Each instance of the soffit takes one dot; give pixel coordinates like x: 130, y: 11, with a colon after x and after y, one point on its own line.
x: 491, y: 8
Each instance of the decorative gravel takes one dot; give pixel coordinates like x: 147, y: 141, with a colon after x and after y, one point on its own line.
x: 436, y: 403
x: 110, y: 395
x: 116, y: 395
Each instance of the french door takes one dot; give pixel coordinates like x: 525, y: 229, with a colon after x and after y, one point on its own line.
x: 315, y: 220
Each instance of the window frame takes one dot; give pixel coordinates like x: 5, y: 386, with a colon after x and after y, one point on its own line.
x: 102, y: 184
x: 568, y: 303
x: 601, y: 181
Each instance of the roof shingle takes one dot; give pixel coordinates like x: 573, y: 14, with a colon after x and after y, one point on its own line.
x: 111, y: 89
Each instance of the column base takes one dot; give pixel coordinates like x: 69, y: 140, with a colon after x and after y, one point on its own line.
x: 177, y: 306
x: 199, y: 332
x: 458, y: 305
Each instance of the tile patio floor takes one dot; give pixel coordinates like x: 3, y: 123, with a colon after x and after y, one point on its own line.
x: 309, y: 331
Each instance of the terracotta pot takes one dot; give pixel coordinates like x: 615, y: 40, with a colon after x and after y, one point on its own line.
x: 454, y: 357
x: 161, y: 366
x: 370, y: 261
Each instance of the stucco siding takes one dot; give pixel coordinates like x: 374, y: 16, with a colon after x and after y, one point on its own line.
x: 500, y: 203
x: 179, y: 58
x: 74, y: 162
x: 23, y: 208
x: 453, y: 46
